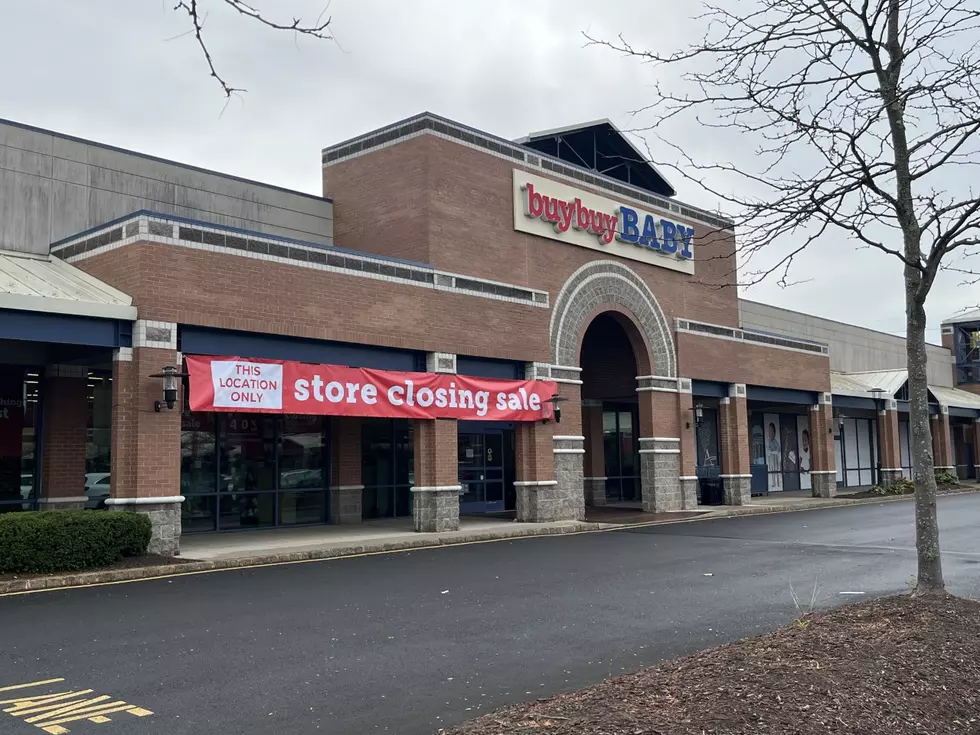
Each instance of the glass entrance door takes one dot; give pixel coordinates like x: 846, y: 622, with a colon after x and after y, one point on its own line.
x: 481, y: 471
x: 622, y: 457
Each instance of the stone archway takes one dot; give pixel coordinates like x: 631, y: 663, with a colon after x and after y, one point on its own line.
x: 594, y: 289
x: 599, y: 284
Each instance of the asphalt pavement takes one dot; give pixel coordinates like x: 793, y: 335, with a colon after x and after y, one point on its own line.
x: 413, y: 642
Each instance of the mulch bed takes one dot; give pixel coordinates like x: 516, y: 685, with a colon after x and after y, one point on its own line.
x: 127, y: 562
x: 896, y: 666
x: 941, y: 490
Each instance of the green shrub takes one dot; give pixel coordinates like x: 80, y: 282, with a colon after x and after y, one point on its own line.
x: 877, y: 490
x: 945, y: 477
x: 901, y: 487
x: 68, y: 540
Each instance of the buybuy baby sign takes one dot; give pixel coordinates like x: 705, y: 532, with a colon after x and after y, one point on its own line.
x: 269, y: 386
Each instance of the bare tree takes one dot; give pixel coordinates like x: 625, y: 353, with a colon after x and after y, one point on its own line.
x: 197, y: 16
x: 866, y: 115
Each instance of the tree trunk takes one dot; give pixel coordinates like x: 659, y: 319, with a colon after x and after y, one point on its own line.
x: 930, y: 574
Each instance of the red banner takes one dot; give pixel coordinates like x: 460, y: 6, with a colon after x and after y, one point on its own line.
x: 273, y: 386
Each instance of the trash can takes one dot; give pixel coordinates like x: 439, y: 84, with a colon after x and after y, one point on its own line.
x: 712, y: 492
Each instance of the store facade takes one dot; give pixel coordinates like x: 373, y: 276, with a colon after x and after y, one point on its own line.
x: 524, y: 328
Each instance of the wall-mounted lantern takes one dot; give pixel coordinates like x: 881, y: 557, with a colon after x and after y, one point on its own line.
x: 170, y: 376
x: 554, y: 401
x: 698, y: 411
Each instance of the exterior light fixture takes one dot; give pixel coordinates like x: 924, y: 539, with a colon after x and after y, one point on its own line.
x: 698, y: 411
x: 554, y: 401
x: 170, y: 376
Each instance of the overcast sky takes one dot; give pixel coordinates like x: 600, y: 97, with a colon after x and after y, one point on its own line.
x: 120, y: 72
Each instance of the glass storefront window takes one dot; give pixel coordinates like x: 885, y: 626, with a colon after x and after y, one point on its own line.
x: 387, y: 468
x: 252, y: 471
x: 98, y: 434
x: 19, y: 391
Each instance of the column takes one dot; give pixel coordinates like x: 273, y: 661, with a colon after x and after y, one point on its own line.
x: 346, y: 488
x: 65, y: 400
x: 942, y: 445
x: 733, y: 417
x: 685, y: 416
x: 824, y: 472
x: 146, y: 442
x: 568, y: 440
x: 595, y: 456
x: 660, y: 444
x: 891, y: 453
x: 435, y: 496
x: 976, y: 448
x: 538, y: 496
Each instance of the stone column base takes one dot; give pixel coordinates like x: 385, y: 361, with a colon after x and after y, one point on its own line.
x: 569, y: 494
x: 540, y: 501
x: 595, y: 490
x: 823, y: 484
x: 689, y: 492
x: 890, y: 477
x: 660, y: 470
x: 436, y: 509
x: 737, y: 489
x: 164, y: 515
x: 75, y: 503
x: 345, y: 504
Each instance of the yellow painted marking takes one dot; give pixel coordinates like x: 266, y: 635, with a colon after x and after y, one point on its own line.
x: 79, y: 706
x: 48, y: 712
x: 30, y: 707
x: 30, y: 684
x: 121, y: 708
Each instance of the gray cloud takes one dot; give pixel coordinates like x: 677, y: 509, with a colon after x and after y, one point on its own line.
x: 122, y: 73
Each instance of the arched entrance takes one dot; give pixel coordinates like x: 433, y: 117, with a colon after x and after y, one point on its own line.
x: 613, y: 355
x: 611, y: 410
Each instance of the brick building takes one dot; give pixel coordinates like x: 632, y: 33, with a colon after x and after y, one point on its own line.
x: 561, y: 262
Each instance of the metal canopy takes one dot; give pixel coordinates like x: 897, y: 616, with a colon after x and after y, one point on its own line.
x: 44, y: 283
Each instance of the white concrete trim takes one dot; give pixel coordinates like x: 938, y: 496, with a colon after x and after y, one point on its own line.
x: 535, y: 483
x: 347, y: 487
x: 564, y: 367
x: 569, y: 438
x: 688, y: 477
x: 74, y: 499
x: 660, y: 451
x: 659, y: 439
x: 435, y: 488
x: 657, y: 377
x: 655, y: 389
x: 145, y: 501
x: 568, y: 451
x: 122, y: 354
x: 945, y: 467
x: 596, y: 478
x: 823, y: 472
x: 569, y: 381
x: 750, y: 343
x: 734, y: 477
x: 893, y: 469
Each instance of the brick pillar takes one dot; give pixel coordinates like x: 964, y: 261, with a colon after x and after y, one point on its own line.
x: 824, y: 472
x: 660, y: 444
x: 539, y: 499
x: 435, y: 496
x: 346, y: 487
x: 595, y: 456
x: 568, y: 445
x: 942, y: 445
x: 146, y: 443
x: 733, y: 419
x: 65, y: 399
x: 891, y: 452
x: 685, y: 420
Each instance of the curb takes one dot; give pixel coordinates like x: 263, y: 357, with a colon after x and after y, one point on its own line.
x: 113, y: 576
